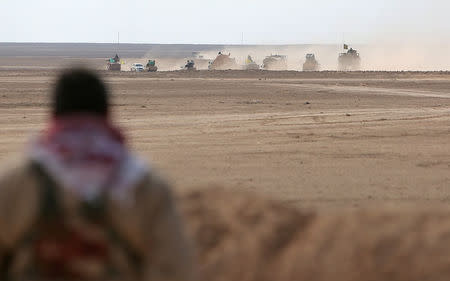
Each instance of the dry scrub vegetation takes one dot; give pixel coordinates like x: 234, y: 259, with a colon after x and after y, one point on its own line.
x: 243, y: 237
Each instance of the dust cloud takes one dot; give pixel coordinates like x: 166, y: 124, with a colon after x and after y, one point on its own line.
x: 382, y: 57
x: 379, y: 55
x: 386, y: 56
x: 406, y: 56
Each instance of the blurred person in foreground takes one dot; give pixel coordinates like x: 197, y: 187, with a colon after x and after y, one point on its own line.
x: 82, y: 207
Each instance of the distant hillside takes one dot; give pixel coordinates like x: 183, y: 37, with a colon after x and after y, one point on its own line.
x: 103, y: 50
x: 94, y: 50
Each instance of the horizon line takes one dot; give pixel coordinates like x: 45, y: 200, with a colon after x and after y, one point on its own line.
x: 205, y: 44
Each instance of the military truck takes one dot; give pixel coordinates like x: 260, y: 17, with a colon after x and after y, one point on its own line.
x: 250, y: 64
x: 151, y: 66
x: 275, y: 62
x: 311, y: 64
x: 349, y: 61
x: 199, y: 60
x: 223, y: 62
x: 114, y: 63
x: 190, y: 65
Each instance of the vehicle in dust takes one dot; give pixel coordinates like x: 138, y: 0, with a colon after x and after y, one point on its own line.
x: 151, y: 66
x: 275, y: 62
x: 114, y: 63
x: 199, y: 60
x: 137, y: 67
x: 250, y: 64
x: 190, y: 65
x: 311, y: 64
x: 223, y: 62
x: 350, y: 60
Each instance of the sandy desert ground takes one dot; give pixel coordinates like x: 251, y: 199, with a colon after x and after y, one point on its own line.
x: 327, y: 140
x: 360, y: 153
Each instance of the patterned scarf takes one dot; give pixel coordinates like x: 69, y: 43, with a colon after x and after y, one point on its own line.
x: 87, y: 155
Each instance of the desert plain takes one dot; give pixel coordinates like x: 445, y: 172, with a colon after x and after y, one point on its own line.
x: 321, y: 140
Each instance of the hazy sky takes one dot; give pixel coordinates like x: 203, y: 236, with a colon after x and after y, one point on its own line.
x: 223, y: 22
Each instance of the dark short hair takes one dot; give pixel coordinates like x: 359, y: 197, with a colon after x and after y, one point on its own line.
x: 79, y: 90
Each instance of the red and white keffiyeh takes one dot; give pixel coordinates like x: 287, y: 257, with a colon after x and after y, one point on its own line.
x: 87, y: 155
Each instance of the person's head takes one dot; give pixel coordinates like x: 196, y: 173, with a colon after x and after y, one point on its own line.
x: 80, y: 91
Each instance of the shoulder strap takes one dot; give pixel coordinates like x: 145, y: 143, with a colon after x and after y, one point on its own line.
x: 5, y: 266
x: 50, y: 208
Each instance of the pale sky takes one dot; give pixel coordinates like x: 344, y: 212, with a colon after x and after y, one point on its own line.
x: 223, y: 22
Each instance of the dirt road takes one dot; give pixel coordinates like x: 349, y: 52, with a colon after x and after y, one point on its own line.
x: 315, y: 139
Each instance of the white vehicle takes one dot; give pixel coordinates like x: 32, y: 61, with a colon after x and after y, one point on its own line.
x: 137, y: 67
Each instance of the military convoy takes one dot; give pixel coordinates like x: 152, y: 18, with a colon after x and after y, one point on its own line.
x: 347, y: 61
